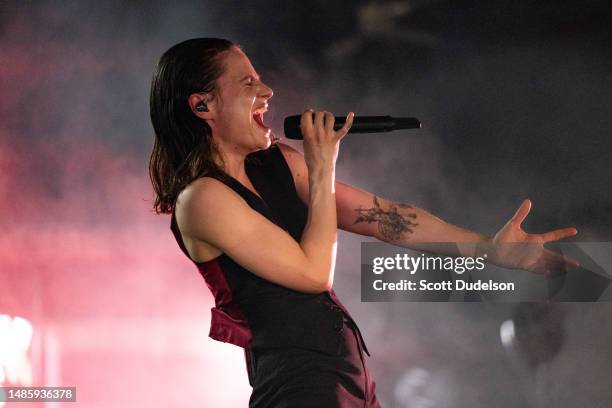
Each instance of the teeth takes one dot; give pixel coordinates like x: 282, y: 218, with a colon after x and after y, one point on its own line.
x: 262, y: 109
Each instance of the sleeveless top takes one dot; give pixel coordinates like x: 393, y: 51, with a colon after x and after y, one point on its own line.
x: 251, y: 312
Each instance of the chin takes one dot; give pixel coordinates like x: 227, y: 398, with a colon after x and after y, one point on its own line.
x: 263, y: 141
x: 266, y: 143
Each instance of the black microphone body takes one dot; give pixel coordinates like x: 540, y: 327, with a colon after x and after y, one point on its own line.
x: 361, y: 124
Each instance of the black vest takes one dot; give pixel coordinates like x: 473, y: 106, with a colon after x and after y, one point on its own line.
x: 252, y: 312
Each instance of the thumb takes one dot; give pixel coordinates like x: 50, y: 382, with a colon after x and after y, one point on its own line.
x: 347, y: 125
x: 521, y: 213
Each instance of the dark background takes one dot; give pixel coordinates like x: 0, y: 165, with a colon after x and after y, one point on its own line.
x: 514, y: 97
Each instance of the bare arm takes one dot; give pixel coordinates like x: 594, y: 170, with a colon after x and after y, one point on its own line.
x: 210, y: 212
x: 364, y: 213
x: 400, y: 223
x: 411, y: 227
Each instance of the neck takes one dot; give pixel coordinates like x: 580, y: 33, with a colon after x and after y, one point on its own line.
x: 232, y: 161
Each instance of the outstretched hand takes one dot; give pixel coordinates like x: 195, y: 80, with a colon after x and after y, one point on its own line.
x: 516, y: 249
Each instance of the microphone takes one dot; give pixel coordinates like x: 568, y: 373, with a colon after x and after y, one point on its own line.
x: 361, y: 124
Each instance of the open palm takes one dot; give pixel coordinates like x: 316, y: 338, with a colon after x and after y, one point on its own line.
x: 517, y: 249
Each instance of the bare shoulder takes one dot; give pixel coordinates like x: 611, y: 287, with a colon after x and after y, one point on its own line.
x: 205, y: 206
x: 287, y: 150
x: 204, y: 193
x: 292, y: 156
x: 299, y: 170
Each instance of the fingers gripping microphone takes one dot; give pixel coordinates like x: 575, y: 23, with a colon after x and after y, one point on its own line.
x: 361, y: 124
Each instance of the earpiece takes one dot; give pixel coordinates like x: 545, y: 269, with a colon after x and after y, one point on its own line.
x: 201, y: 107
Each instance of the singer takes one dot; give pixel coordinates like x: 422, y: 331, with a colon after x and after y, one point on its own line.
x: 259, y: 220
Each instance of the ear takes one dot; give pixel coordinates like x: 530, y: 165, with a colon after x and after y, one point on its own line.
x: 197, y: 99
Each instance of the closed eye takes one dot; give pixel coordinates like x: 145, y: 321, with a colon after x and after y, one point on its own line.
x: 249, y: 80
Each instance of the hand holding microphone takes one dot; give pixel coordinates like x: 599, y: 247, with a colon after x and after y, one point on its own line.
x: 321, y: 138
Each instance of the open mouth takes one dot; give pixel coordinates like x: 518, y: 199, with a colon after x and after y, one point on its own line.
x: 258, y: 117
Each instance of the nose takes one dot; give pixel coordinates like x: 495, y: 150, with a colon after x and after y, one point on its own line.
x: 265, y: 91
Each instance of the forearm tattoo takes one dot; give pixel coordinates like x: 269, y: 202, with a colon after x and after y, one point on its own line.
x: 391, y: 224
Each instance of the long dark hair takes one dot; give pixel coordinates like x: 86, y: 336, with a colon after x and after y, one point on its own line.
x: 183, y: 150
